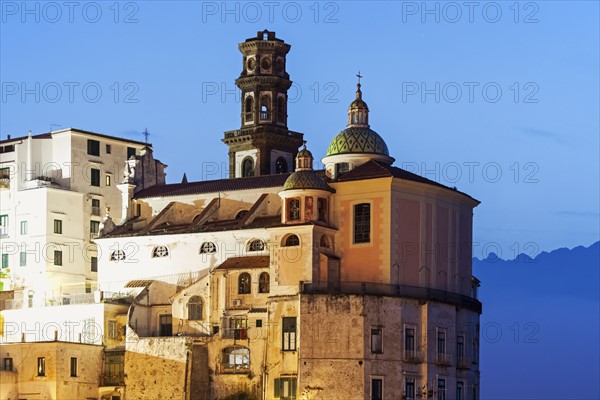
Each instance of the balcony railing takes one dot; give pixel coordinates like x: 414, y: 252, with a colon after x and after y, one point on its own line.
x: 384, y: 289
x: 443, y: 359
x: 82, y: 298
x: 412, y: 356
x: 112, y: 380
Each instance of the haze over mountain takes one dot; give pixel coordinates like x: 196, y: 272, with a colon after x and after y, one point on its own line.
x: 540, y: 325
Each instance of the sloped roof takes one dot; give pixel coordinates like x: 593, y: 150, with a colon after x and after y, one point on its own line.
x: 245, y: 262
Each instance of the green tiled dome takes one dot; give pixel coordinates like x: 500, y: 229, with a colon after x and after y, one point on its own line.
x: 306, y: 179
x: 357, y: 140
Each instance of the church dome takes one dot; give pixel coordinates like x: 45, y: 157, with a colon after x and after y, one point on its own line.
x: 357, y: 140
x: 306, y: 179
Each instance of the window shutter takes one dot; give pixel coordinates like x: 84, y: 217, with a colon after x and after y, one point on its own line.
x: 293, y: 387
x: 277, y: 388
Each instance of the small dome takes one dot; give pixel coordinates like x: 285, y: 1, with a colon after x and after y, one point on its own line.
x: 304, y: 153
x: 306, y: 179
x: 357, y: 140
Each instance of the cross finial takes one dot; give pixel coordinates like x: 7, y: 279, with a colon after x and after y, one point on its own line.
x: 146, y: 134
x: 359, y: 76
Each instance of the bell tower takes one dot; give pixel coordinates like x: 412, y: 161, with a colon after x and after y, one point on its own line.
x: 263, y: 145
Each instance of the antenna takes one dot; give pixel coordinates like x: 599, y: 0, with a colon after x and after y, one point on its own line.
x: 146, y: 134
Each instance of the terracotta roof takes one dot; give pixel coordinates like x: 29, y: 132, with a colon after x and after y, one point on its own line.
x: 218, y: 185
x: 245, y: 262
x: 377, y: 169
x: 139, y: 283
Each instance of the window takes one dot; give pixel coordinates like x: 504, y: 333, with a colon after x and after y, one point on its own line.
x: 460, y: 388
x: 322, y: 209
x: 409, y: 339
x: 288, y: 334
x: 94, y: 228
x: 58, y: 260
x: 244, y: 283
x: 259, y: 323
x: 441, y: 389
x: 88, y: 287
x: 256, y: 245
x: 238, y: 328
x: 235, y: 359
x: 208, y: 248
x: 73, y: 366
x: 4, y: 260
x: 165, y: 325
x: 160, y: 251
x: 114, y: 366
x: 58, y: 226
x: 195, y: 308
x: 376, y: 389
x: 376, y: 340
x: 130, y: 152
x: 108, y: 149
x: 23, y: 227
x: 93, y: 147
x: 264, y: 282
x: 281, y: 166
x: 3, y: 224
x: 41, y: 366
x: 108, y: 179
x: 294, y: 209
x: 249, y: 108
x: 285, y: 388
x: 95, y: 177
x: 22, y: 259
x: 248, y: 167
x: 94, y: 264
x: 96, y: 207
x: 264, y: 108
x: 7, y: 364
x: 113, y: 329
x: 341, y: 168
x: 117, y: 255
x: 241, y: 214
x: 460, y: 349
x: 292, y: 240
x: 362, y: 223
x: 441, y: 342
x: 409, y: 389
x: 5, y: 173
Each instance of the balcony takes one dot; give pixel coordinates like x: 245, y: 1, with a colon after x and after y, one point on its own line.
x: 112, y: 380
x: 413, y: 356
x: 443, y: 359
x: 463, y: 362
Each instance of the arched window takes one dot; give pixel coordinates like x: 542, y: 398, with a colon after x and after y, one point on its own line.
x: 292, y: 240
x: 281, y: 166
x: 362, y: 223
x: 264, y: 108
x: 208, y: 248
x: 248, y: 167
x: 241, y: 214
x: 195, y: 308
x: 244, y: 283
x: 249, y: 106
x: 256, y: 245
x: 117, y: 255
x: 160, y: 251
x: 264, y: 283
x: 235, y: 359
x: 294, y: 209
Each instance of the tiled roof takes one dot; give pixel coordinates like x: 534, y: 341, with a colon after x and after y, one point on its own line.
x: 357, y: 140
x: 219, y: 185
x: 245, y: 262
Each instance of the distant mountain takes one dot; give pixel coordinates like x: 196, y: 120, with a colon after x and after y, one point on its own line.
x: 540, y: 325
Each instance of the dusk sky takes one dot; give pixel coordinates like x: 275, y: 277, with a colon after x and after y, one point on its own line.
x: 500, y: 99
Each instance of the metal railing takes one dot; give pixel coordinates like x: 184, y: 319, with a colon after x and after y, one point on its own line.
x: 412, y: 356
x: 384, y: 289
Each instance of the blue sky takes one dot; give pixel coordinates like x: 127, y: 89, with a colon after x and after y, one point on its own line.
x: 500, y: 100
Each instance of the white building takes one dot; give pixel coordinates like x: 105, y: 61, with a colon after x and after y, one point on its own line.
x: 54, y: 188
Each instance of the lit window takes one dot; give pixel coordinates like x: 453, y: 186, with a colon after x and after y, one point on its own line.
x: 362, y: 223
x: 160, y: 251
x: 108, y: 180
x: 244, y: 283
x: 117, y: 255
x: 195, y: 308
x: 292, y: 240
x: 294, y: 209
x: 208, y: 248
x: 288, y: 334
x: 256, y: 245
x: 264, y: 282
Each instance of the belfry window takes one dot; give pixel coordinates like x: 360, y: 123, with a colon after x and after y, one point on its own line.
x: 294, y: 209
x: 265, y: 108
x: 281, y: 166
x: 248, y: 167
x: 362, y: 223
